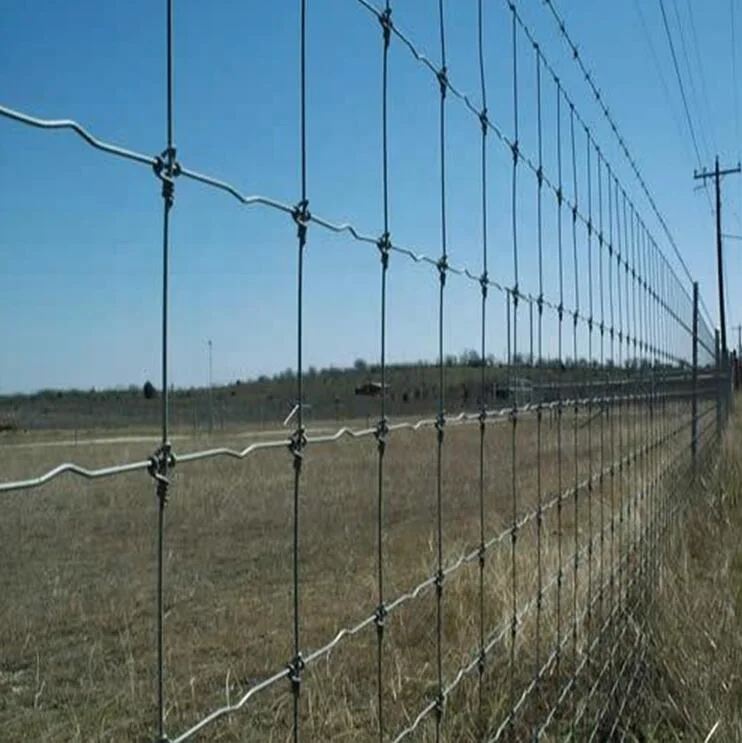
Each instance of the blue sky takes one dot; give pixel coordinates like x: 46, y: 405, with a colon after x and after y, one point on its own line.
x: 81, y: 231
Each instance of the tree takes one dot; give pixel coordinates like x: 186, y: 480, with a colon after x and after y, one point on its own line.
x: 149, y: 390
x: 360, y: 365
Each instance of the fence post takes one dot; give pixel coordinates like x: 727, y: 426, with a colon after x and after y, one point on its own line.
x: 718, y: 386
x: 694, y: 389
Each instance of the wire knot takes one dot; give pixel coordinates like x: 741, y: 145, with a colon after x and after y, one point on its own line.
x: 440, y: 578
x: 516, y: 152
x: 540, y: 176
x: 159, y: 463
x: 166, y: 168
x: 384, y: 245
x: 440, y: 425
x: 484, y: 284
x: 513, y: 415
x: 380, y: 615
x: 385, y: 19
x: 297, y: 442
x: 482, y: 554
x: 442, y: 266
x: 380, y: 433
x: 442, y: 76
x: 294, y: 670
x: 302, y: 217
x: 440, y: 703
x: 560, y: 196
x: 484, y: 121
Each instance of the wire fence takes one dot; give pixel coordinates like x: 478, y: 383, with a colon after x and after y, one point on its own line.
x: 579, y: 477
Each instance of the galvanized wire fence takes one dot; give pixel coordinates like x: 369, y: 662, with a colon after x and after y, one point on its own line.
x: 591, y: 466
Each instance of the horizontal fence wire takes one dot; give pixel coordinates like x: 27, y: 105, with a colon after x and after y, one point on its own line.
x: 464, y: 418
x: 627, y: 438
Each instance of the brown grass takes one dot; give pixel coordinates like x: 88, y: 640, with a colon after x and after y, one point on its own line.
x: 77, y: 619
x: 694, y: 667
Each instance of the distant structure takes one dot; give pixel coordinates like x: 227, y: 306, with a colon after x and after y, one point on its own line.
x: 371, y: 389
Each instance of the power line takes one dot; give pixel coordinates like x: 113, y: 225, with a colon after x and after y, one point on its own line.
x: 589, y: 79
x: 734, y: 75
x: 701, y: 75
x: 680, y: 83
x: 694, y: 98
x: 658, y: 68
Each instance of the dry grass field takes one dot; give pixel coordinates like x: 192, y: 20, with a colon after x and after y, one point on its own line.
x: 77, y: 616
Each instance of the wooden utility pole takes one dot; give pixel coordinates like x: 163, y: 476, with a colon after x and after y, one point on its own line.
x: 717, y: 174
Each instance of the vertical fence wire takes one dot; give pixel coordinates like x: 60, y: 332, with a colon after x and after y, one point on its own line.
x: 540, y: 381
x: 166, y: 171
x: 441, y: 420
x: 382, y: 428
x: 560, y: 405
x: 591, y: 395
x: 514, y: 393
x: 604, y: 411
x: 298, y: 440
x: 484, y: 280
x: 576, y: 416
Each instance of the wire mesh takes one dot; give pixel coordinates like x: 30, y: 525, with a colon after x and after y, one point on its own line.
x: 613, y: 427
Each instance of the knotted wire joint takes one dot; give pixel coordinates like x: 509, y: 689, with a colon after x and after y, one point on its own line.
x: 484, y: 284
x: 297, y: 442
x: 482, y: 554
x: 440, y: 425
x: 484, y: 121
x: 440, y: 702
x: 300, y: 214
x: 380, y: 433
x: 385, y: 19
x: 513, y: 414
x: 515, y: 292
x: 167, y: 168
x: 160, y: 462
x: 516, y: 151
x: 442, y: 266
x: 294, y: 671
x: 440, y: 578
x: 384, y: 244
x: 380, y: 615
x: 442, y: 76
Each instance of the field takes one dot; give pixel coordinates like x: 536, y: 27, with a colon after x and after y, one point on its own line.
x: 77, y: 620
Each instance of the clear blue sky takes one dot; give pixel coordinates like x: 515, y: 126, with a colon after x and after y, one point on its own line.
x: 80, y: 243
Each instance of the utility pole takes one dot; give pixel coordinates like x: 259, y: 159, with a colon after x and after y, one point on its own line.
x: 739, y: 339
x: 717, y: 174
x: 211, y: 393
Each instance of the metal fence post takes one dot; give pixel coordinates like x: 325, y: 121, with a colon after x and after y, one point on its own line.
x: 694, y: 390
x: 718, y: 385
